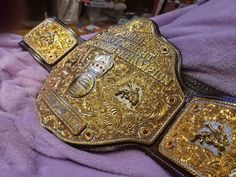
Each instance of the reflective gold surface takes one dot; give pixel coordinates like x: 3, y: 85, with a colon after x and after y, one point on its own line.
x: 50, y: 40
x: 120, y: 86
x: 202, y: 140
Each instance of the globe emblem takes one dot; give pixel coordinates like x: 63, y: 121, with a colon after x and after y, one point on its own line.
x: 84, y: 83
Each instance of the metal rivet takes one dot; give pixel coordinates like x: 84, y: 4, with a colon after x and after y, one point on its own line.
x: 171, y: 100
x: 50, y: 56
x: 169, y: 144
x: 88, y: 134
x: 144, y: 132
x: 196, y: 108
x: 69, y: 41
x: 164, y: 50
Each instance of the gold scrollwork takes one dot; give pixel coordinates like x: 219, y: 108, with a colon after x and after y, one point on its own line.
x: 202, y: 138
x: 50, y: 40
x: 131, y: 98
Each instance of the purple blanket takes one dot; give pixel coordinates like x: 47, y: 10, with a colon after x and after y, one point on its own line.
x: 204, y: 33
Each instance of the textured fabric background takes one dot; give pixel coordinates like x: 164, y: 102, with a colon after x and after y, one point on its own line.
x: 205, y: 33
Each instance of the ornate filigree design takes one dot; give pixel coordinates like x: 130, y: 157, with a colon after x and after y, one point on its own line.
x: 154, y: 92
x: 50, y: 40
x: 202, y: 139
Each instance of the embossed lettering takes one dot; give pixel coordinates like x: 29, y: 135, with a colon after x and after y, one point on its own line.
x: 134, y: 54
x: 132, y: 37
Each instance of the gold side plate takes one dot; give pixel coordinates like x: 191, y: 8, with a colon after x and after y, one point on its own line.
x: 120, y: 86
x: 50, y: 41
x: 202, y: 140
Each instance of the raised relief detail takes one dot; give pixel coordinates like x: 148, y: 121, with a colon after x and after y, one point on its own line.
x: 50, y: 41
x: 214, y: 137
x: 121, y: 87
x: 48, y: 37
x: 84, y: 83
x: 233, y: 173
x: 130, y: 95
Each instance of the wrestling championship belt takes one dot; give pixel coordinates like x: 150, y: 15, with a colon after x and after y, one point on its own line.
x: 124, y: 89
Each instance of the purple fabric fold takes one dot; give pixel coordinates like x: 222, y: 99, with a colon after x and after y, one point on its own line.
x: 205, y: 35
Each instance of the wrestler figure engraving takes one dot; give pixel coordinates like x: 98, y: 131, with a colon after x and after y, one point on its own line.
x: 130, y: 94
x: 215, y: 136
x: 49, y: 38
x: 84, y: 83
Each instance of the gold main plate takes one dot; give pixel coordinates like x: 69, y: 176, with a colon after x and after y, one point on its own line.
x: 119, y: 86
x: 50, y: 40
x: 202, y: 140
